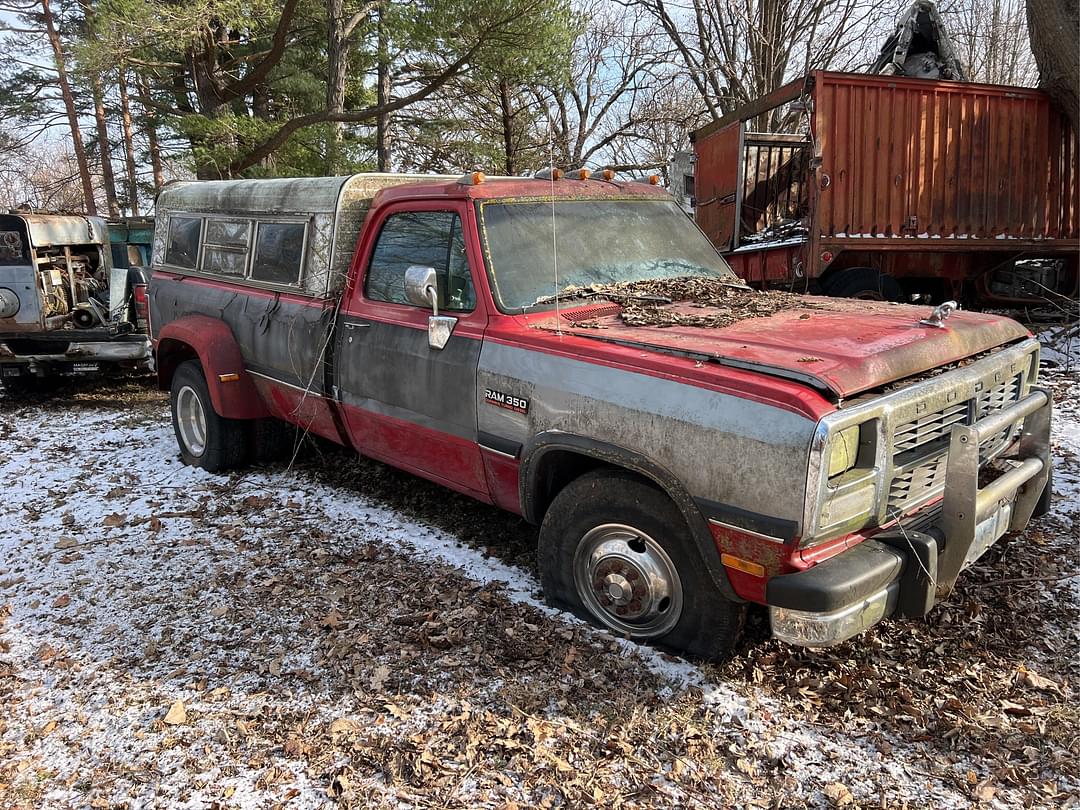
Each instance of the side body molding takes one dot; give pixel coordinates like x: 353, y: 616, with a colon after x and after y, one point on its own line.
x: 219, y: 354
x: 531, y: 482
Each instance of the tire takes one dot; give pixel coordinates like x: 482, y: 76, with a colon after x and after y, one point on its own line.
x: 205, y: 439
x: 863, y: 282
x: 25, y: 385
x: 612, y: 527
x: 271, y: 440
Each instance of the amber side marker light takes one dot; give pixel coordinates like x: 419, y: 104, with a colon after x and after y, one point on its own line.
x: 739, y: 564
x: 228, y: 377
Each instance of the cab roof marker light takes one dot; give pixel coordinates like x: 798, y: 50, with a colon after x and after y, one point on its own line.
x: 472, y: 179
x: 581, y: 174
x: 654, y: 179
x: 608, y: 174
x: 549, y: 174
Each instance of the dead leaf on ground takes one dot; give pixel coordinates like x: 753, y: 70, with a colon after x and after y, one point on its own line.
x: 177, y: 714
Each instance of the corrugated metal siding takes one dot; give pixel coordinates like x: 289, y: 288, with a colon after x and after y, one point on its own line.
x: 909, y: 157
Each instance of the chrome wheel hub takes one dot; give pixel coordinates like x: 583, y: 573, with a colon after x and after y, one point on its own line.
x: 627, y: 581
x: 191, y: 420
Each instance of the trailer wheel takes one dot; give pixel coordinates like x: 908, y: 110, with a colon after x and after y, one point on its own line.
x: 206, y: 439
x: 867, y: 283
x: 615, y: 551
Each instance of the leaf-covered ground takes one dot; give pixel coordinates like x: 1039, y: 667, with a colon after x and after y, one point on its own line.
x: 344, y: 634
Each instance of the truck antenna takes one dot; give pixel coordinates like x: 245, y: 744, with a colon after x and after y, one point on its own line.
x: 554, y: 240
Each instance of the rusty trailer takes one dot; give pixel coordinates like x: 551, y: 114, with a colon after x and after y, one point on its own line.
x: 890, y: 187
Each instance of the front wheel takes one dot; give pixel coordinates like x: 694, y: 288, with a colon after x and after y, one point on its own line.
x: 616, y: 551
x: 206, y: 439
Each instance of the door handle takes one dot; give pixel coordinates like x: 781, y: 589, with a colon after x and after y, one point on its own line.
x: 357, y: 324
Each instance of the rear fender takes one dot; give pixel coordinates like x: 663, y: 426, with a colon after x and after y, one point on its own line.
x: 232, y: 390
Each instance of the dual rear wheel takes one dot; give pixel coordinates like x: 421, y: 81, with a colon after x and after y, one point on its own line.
x: 215, y: 442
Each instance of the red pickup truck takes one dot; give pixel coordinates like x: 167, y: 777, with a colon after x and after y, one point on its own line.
x: 576, y: 351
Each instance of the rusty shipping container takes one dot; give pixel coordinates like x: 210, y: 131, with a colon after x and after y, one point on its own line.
x: 887, y: 187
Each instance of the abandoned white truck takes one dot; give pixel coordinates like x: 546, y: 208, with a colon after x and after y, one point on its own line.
x: 64, y: 308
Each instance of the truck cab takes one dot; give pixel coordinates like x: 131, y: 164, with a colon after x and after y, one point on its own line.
x: 576, y: 351
x: 65, y: 309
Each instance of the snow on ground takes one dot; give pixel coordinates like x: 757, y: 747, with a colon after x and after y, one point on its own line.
x: 171, y: 637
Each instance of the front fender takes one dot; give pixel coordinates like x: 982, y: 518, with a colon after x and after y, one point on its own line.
x: 232, y: 390
x: 543, y: 443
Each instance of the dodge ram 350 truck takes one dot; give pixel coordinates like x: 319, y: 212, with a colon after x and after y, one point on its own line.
x: 576, y: 351
x: 64, y: 308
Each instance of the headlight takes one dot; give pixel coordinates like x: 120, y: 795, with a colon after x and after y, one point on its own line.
x: 843, y: 451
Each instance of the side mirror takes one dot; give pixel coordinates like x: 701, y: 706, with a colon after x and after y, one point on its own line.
x: 422, y: 289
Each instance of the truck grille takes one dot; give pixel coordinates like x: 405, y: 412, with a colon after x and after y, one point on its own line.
x: 934, y: 426
x: 929, y: 427
x: 916, y: 484
x: 918, y: 480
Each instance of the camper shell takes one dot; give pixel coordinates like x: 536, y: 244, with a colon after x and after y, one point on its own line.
x: 228, y: 227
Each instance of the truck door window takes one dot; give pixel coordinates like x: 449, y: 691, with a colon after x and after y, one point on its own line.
x: 425, y: 238
x: 183, y: 247
x: 279, y: 252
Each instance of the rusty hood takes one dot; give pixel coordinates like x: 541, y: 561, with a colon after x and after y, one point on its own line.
x: 845, y: 347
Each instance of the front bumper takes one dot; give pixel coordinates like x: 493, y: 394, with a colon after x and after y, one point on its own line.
x: 906, y: 570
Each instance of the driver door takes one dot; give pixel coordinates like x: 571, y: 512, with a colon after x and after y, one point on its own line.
x: 406, y: 403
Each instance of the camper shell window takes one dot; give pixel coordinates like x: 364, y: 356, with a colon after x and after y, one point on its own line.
x: 260, y: 250
x: 183, y: 248
x: 279, y: 252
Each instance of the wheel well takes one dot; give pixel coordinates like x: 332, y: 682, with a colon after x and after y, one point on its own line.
x: 557, y: 468
x: 170, y: 354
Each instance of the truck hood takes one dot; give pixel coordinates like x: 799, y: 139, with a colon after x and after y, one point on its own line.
x: 852, y: 347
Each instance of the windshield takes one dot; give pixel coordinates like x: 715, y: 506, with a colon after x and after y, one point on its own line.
x: 595, y: 241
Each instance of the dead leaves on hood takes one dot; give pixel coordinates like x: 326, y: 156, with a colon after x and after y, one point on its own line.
x: 705, y: 302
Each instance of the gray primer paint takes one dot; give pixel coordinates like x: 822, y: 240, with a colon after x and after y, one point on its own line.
x: 391, y: 370
x: 279, y: 338
x: 721, y: 447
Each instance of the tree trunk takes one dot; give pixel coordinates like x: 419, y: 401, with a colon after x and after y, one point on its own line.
x: 382, y: 122
x: 1054, y: 26
x: 337, y: 52
x: 151, y: 134
x: 104, y: 150
x: 69, y: 107
x: 129, y: 145
x: 506, y: 113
